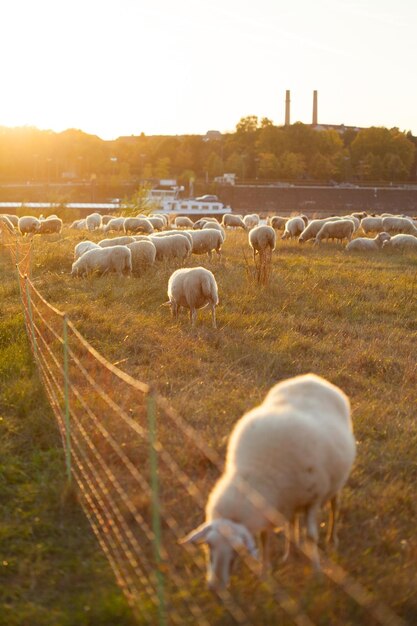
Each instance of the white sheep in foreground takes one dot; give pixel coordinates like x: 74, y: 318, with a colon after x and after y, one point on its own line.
x: 82, y: 247
x: 29, y: 225
x: 137, y: 225
x: 341, y: 229
x: 233, y: 221
x: 116, y: 241
x: 176, y: 246
x: 193, y: 288
x: 368, y: 245
x: 206, y: 240
x: 116, y: 223
x: 251, y: 221
x: 116, y: 259
x: 262, y: 239
x: 401, y: 242
x: 399, y: 225
x: 143, y: 255
x: 93, y: 221
x: 182, y: 221
x: 293, y: 228
x: 50, y: 225
x: 372, y: 225
x: 291, y: 454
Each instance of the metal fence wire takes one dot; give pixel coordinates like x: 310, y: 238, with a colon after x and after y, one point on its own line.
x: 137, y: 466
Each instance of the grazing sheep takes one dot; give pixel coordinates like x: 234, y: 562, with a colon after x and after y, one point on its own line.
x: 356, y: 221
x: 93, y: 221
x: 304, y: 218
x: 293, y: 228
x: 399, y: 225
x: 233, y: 221
x: 401, y: 242
x: 341, y: 229
x: 198, y: 225
x: 116, y: 241
x: 75, y: 224
x: 116, y: 259
x: 143, y: 255
x: 168, y: 233
x: 176, y: 246
x: 50, y: 225
x: 290, y: 455
x: 251, y: 221
x: 157, y: 222
x: 206, y: 240
x: 368, y: 245
x: 137, y: 225
x: 262, y: 239
x: 216, y: 226
x: 29, y: 225
x: 82, y: 247
x: 277, y: 222
x: 105, y: 219
x: 372, y: 225
x: 311, y: 230
x: 161, y: 216
x: 182, y: 221
x: 7, y: 223
x: 193, y: 288
x: 116, y: 223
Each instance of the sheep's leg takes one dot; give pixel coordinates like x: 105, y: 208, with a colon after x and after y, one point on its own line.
x: 254, y: 256
x: 292, y: 535
x: 266, y: 551
x: 313, y: 535
x: 193, y: 316
x: 213, y: 315
x: 332, y: 530
x: 174, y: 310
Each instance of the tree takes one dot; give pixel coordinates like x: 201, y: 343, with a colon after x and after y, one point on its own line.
x: 214, y: 165
x: 291, y: 166
x: 321, y: 167
x: 268, y: 166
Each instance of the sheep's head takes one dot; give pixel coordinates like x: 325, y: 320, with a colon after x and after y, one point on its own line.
x: 225, y: 539
x: 382, y: 237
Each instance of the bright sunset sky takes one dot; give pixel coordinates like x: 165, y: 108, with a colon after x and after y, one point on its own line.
x: 186, y: 66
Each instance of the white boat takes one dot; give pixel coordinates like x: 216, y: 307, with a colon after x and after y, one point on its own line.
x: 168, y: 202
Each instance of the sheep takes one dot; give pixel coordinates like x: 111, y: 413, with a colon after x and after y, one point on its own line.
x: 372, y: 225
x: 233, y: 221
x: 193, y: 288
x: 311, y: 230
x: 175, y: 246
x: 205, y: 241
x: 289, y: 455
x: 116, y: 241
x: 399, y: 225
x: 368, y: 245
x: 277, y: 222
x: 356, y: 221
x: 50, y: 225
x: 93, y: 221
x: 114, y: 259
x: 116, y: 223
x: 251, y: 221
x: 401, y: 242
x: 143, y: 255
x: 294, y: 227
x: 105, y: 219
x: 340, y: 229
x: 157, y: 222
x: 183, y: 221
x: 4, y: 219
x: 137, y: 225
x: 360, y: 214
x: 29, y: 225
x: 162, y: 216
x: 14, y: 219
x: 198, y: 225
x: 262, y: 239
x: 216, y: 226
x: 75, y: 224
x: 168, y: 233
x: 82, y: 247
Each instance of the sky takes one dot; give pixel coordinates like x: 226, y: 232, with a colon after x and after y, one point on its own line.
x: 173, y: 67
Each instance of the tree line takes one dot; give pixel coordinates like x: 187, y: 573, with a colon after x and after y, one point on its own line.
x: 255, y: 150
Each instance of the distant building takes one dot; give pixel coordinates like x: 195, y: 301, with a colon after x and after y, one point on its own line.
x: 212, y: 135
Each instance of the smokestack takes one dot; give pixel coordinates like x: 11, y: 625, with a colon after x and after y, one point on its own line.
x: 315, y: 122
x: 287, y: 107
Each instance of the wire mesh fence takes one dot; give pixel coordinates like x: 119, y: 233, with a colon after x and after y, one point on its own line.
x: 138, y: 469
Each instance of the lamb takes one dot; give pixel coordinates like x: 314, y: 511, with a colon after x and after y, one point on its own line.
x: 262, y: 239
x: 29, y: 225
x: 143, y: 255
x: 116, y: 241
x: 372, y: 225
x: 116, y: 223
x: 175, y: 246
x: 368, y: 245
x: 183, y: 222
x: 399, y: 225
x: 233, y: 221
x: 277, y: 222
x: 341, y: 229
x: 293, y: 228
x: 193, y: 288
x: 137, y: 225
x: 206, y: 240
x: 93, y: 221
x: 82, y: 247
x: 251, y: 221
x: 50, y: 225
x: 114, y: 259
x: 401, y: 242
x: 289, y: 455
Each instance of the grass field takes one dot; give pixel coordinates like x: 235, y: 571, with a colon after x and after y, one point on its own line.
x: 351, y: 319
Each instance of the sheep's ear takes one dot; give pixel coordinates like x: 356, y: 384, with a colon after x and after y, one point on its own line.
x: 198, y: 535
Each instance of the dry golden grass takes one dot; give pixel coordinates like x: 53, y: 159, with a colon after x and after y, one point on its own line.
x: 349, y: 318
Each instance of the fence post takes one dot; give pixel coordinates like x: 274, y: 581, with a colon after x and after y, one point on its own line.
x: 32, y: 327
x: 66, y: 401
x: 156, y: 518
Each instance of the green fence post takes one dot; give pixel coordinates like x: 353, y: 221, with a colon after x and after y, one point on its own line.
x: 32, y: 328
x: 156, y: 517
x: 66, y: 401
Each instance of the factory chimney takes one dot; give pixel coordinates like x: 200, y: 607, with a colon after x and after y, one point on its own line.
x: 315, y: 122
x: 287, y: 107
